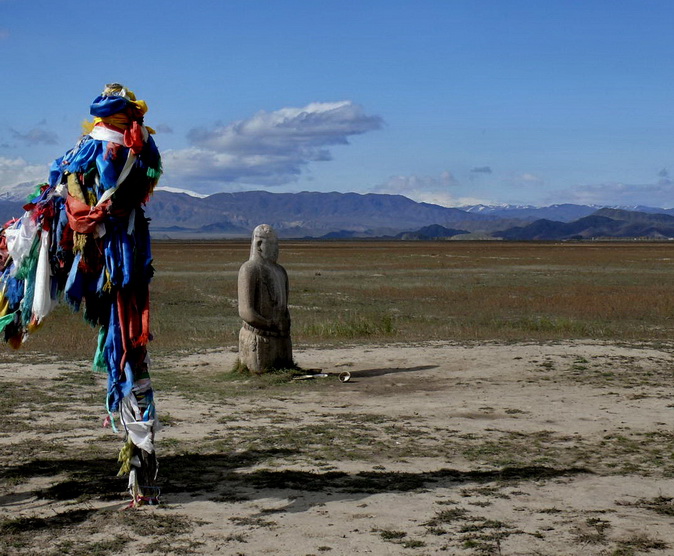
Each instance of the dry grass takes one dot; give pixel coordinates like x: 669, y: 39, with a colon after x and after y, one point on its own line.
x: 406, y: 291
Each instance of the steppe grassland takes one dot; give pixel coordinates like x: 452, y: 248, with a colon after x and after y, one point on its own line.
x: 408, y: 291
x: 343, y: 292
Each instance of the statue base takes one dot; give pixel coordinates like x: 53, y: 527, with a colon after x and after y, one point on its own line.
x: 261, y: 351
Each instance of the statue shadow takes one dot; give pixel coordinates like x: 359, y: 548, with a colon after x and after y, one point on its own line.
x: 369, y: 373
x: 222, y: 478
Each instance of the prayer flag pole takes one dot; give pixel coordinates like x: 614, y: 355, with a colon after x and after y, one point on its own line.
x: 84, y: 238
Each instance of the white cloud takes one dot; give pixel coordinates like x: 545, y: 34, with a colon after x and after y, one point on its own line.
x: 202, y: 169
x: 163, y: 128
x: 17, y: 176
x: 428, y: 189
x: 530, y: 178
x: 178, y: 190
x: 17, y: 170
x: 36, y: 136
x: 523, y: 180
x: 403, y: 184
x: 270, y: 148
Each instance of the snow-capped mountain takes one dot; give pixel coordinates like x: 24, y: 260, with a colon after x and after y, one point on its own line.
x: 565, y: 212
x: 17, y: 192
x: 178, y: 190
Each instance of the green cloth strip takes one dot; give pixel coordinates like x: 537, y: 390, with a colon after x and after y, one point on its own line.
x: 99, y: 358
x: 4, y: 321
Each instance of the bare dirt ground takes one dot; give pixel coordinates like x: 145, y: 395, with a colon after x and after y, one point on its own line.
x: 559, y: 448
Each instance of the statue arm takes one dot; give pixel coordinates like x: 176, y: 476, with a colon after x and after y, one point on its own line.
x: 286, y: 321
x: 247, y: 286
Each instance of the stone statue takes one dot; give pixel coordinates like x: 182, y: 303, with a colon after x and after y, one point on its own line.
x: 264, y: 339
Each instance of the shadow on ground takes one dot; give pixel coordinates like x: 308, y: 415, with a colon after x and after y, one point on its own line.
x: 221, y: 478
x: 366, y: 373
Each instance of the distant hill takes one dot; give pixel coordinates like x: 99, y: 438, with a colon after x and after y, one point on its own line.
x: 178, y: 215
x: 9, y: 210
x: 346, y: 234
x: 301, y: 214
x: 604, y: 223
x: 566, y: 212
x: 663, y: 217
x: 434, y: 231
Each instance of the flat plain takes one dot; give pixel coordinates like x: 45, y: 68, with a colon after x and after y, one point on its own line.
x: 505, y: 398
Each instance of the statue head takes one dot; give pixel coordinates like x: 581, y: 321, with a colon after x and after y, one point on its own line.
x: 265, y: 244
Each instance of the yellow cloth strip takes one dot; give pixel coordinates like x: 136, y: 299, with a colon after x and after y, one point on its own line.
x: 4, y: 304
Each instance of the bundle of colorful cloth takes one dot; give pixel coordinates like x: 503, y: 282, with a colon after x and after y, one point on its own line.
x: 84, y: 240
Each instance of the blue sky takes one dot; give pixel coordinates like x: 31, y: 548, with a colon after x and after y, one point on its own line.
x: 447, y: 101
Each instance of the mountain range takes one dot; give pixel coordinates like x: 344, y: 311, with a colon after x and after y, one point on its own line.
x: 603, y: 223
x: 176, y: 215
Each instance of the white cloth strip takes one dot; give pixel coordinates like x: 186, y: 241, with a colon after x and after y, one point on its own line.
x: 104, y: 134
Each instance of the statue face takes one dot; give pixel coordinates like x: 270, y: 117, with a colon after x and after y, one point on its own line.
x: 264, y: 244
x: 268, y: 248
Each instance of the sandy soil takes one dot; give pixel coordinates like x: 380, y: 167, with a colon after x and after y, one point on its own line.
x: 562, y: 448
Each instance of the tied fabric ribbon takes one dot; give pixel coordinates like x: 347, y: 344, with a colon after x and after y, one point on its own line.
x: 84, y: 218
x: 134, y: 138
